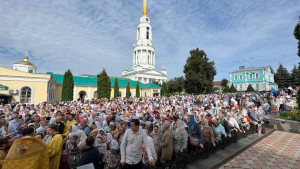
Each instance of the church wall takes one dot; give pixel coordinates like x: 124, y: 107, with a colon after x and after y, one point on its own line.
x: 38, y: 90
x: 58, y: 93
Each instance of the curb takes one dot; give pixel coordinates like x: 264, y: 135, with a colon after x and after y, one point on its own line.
x: 226, y: 160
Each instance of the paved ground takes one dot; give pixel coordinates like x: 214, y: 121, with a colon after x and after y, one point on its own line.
x: 220, y: 155
x: 278, y: 150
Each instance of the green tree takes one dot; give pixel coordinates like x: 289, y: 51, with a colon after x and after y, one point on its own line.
x: 128, y: 90
x: 67, y: 87
x: 224, y: 82
x: 250, y: 88
x: 137, y: 89
x: 226, y: 89
x: 164, y: 89
x: 199, y: 73
x: 116, y: 88
x: 294, y: 77
x: 282, y: 77
x: 232, y: 89
x: 103, y: 85
x: 297, y: 35
x: 175, y: 85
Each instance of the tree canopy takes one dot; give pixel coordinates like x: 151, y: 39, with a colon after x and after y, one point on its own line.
x: 199, y: 73
x: 67, y: 87
x: 103, y: 85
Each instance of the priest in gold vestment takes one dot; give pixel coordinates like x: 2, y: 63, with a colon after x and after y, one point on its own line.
x: 55, y: 147
x: 27, y: 153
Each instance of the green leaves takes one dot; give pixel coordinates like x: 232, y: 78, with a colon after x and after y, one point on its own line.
x: 128, y: 90
x: 137, y: 89
x: 67, y: 87
x: 103, y: 85
x: 199, y: 73
x: 282, y: 77
x: 250, y: 88
x: 116, y: 88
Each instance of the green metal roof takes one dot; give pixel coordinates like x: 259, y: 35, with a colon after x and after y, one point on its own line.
x: 2, y: 87
x: 91, y: 80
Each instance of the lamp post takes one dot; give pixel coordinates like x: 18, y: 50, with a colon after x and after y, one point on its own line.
x: 74, y: 157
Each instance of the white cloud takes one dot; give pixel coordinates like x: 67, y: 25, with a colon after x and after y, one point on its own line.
x: 87, y: 36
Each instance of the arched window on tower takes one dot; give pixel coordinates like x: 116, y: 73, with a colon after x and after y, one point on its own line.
x: 149, y: 60
x: 147, y: 35
x: 25, y: 95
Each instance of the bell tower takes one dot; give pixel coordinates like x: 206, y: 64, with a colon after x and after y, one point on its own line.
x: 144, y: 51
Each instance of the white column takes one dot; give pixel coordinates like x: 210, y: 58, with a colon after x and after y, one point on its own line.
x: 74, y: 93
x: 153, y: 59
x: 90, y: 93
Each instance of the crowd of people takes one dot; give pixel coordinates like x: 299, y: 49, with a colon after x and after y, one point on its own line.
x: 129, y: 133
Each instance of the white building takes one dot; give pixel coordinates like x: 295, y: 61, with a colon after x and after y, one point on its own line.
x: 144, y: 55
x: 25, y: 65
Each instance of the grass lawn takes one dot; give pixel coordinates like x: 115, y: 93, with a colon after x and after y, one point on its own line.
x: 289, y: 115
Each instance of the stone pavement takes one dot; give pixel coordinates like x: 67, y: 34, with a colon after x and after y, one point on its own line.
x: 278, y: 150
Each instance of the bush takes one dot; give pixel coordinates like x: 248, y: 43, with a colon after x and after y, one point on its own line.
x: 290, y: 115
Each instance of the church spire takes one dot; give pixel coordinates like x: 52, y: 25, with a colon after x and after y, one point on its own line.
x: 145, y: 7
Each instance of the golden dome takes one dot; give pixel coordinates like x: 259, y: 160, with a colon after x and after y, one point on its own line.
x: 25, y: 63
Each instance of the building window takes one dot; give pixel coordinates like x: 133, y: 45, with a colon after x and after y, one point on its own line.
x: 241, y: 86
x: 256, y: 76
x: 251, y: 76
x: 30, y: 71
x: 95, y: 95
x: 241, y: 77
x: 235, y: 77
x: 257, y: 86
x: 148, y: 59
x: 25, y: 95
x: 147, y: 35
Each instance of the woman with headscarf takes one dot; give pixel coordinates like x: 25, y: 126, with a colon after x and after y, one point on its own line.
x: 112, y: 156
x: 195, y: 135
x: 72, y: 130
x: 180, y: 137
x: 77, y: 137
x: 166, y: 144
x: 207, y: 133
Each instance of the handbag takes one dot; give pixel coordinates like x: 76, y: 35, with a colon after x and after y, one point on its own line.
x: 194, y: 141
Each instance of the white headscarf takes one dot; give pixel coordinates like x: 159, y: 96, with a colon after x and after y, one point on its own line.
x: 109, y: 137
x: 74, y: 129
x: 181, y: 124
x: 81, y: 135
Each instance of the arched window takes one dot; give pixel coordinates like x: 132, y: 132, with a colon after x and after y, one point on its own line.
x: 149, y: 60
x: 25, y: 95
x: 95, y: 95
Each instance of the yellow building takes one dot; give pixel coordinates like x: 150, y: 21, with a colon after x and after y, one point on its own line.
x: 22, y: 84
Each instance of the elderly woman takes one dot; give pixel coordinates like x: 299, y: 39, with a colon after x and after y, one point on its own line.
x: 166, y: 144
x: 156, y: 135
x: 112, y: 156
x: 195, y: 134
x: 180, y: 136
x: 207, y: 133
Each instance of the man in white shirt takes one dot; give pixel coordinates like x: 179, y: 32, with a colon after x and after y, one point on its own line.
x: 131, y: 147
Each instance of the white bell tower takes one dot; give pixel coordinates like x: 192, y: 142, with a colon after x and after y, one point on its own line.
x: 144, y: 51
x: 144, y: 54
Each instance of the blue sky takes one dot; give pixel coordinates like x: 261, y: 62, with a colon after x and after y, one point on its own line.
x: 89, y: 35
